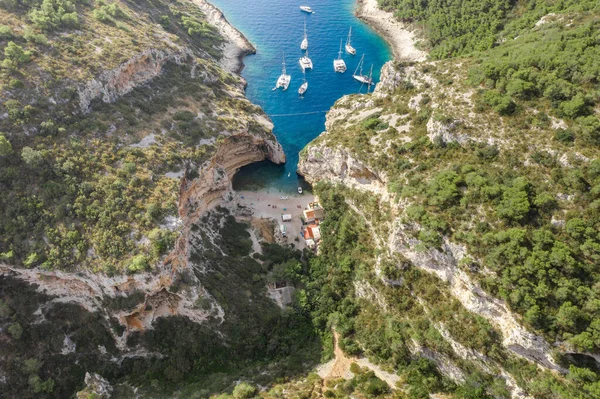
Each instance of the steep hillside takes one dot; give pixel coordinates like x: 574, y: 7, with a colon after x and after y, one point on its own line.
x: 462, y: 251
x: 122, y: 124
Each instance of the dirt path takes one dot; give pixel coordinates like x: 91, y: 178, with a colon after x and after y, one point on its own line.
x: 339, y: 367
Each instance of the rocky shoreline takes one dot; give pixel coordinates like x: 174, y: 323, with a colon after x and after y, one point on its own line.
x: 401, y: 40
x: 237, y: 45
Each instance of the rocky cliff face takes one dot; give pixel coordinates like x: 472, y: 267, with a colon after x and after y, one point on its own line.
x: 333, y: 158
x: 111, y: 85
x: 236, y: 45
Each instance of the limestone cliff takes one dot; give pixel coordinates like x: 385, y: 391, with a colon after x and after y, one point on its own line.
x: 357, y: 157
x: 111, y: 85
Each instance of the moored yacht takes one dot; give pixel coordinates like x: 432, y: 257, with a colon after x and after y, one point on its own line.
x: 306, y: 62
x: 358, y: 73
x: 303, y: 87
x: 284, y: 79
x: 306, y: 9
x: 349, y: 48
x: 304, y: 44
x: 339, y: 65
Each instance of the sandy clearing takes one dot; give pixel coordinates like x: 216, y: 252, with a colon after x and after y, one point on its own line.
x: 266, y: 204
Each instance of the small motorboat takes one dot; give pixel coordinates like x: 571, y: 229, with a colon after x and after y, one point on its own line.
x: 307, y: 9
x: 299, y: 190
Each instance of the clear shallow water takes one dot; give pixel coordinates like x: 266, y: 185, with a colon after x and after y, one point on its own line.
x: 274, y: 26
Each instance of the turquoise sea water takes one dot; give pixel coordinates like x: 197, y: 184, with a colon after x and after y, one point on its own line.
x: 274, y: 26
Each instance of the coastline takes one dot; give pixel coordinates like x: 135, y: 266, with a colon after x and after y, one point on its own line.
x: 237, y: 46
x: 401, y: 40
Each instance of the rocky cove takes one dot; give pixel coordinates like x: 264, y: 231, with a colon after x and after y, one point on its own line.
x: 203, y: 310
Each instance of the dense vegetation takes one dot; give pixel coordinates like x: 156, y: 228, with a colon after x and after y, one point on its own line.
x: 256, y: 340
x: 418, y: 308
x: 75, y: 189
x: 459, y: 27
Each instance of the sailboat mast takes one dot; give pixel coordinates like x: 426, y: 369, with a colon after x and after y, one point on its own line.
x: 283, y: 72
x: 340, y: 52
x: 305, y: 28
x: 359, y: 66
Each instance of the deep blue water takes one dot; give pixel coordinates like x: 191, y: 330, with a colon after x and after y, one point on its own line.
x: 274, y: 26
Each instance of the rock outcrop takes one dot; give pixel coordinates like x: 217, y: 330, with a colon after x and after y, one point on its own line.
x: 111, y: 85
x: 96, y: 387
x: 236, y: 45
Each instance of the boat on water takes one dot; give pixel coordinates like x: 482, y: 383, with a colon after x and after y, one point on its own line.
x: 349, y: 48
x: 304, y: 44
x: 303, y: 87
x: 307, y: 9
x: 339, y: 65
x: 284, y: 79
x: 299, y: 190
x: 306, y: 62
x: 358, y: 73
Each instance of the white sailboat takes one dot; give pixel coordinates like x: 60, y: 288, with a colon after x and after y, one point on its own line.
x: 306, y: 9
x: 339, y: 65
x: 304, y: 44
x: 284, y: 79
x: 303, y: 88
x: 306, y: 62
x: 349, y: 48
x: 358, y: 73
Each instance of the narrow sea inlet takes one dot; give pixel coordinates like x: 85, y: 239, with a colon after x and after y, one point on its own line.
x: 275, y: 27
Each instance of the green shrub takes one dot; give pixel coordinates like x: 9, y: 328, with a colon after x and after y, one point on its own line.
x: 15, y: 54
x: 244, y: 391
x: 565, y: 136
x: 515, y: 203
x: 38, y: 38
x: 6, y: 32
x: 502, y: 104
x: 54, y: 14
x: 15, y: 330
x: 139, y: 263
x: 575, y: 107
x: 5, y: 146
x: 39, y: 386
